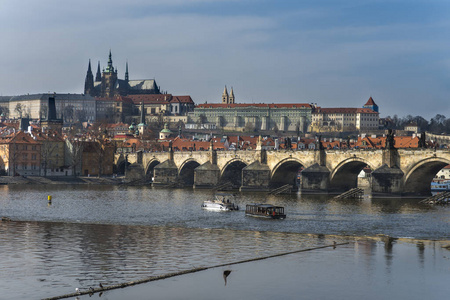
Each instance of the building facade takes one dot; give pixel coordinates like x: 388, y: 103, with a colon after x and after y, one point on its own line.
x: 252, y: 117
x: 342, y: 119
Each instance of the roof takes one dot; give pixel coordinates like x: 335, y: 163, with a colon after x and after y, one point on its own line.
x: 370, y: 102
x: 150, y: 98
x: 344, y: 110
x: 145, y: 84
x: 45, y: 96
x: 262, y: 105
x: 181, y: 99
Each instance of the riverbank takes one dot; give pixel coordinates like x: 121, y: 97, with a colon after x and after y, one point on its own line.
x: 109, y: 180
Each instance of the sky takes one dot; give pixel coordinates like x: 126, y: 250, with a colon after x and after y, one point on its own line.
x: 334, y: 53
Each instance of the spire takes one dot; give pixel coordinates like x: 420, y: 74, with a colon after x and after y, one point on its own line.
x: 89, y: 81
x: 98, y: 76
x: 89, y: 67
x: 110, y: 68
x: 126, y: 72
x: 231, y: 98
x: 225, y: 96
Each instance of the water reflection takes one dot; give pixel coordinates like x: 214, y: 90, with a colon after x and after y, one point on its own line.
x: 98, y: 234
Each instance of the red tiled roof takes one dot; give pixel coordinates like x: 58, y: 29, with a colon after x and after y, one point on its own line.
x: 182, y: 99
x: 273, y: 105
x: 370, y: 102
x: 150, y: 98
x: 344, y: 110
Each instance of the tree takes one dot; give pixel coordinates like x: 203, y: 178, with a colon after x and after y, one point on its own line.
x: 249, y: 127
x: 47, y: 153
x: 19, y: 109
x: 81, y: 115
x: 75, y: 147
x: 68, y: 113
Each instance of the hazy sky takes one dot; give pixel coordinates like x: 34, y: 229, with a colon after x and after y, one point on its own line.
x: 333, y: 53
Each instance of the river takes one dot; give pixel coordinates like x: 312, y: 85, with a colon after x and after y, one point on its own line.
x: 114, y: 234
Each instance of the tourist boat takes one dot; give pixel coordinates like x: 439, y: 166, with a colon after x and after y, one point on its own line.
x: 221, y: 202
x: 265, y: 211
x: 440, y: 186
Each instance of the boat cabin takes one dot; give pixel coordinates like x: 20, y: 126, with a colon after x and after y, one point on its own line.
x: 265, y: 211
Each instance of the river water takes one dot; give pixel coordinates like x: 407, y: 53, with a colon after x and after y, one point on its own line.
x: 114, y: 234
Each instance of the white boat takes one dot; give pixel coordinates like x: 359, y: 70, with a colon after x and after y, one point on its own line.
x: 221, y: 202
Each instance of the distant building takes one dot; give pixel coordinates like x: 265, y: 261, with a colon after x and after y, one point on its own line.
x: 69, y: 107
x: 252, y: 117
x: 341, y: 119
x: 412, y: 127
x: 107, y: 84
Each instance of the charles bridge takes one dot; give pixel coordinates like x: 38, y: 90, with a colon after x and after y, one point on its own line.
x: 394, y: 171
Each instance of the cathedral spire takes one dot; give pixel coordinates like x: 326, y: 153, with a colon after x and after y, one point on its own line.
x: 126, y: 72
x: 98, y: 76
x: 89, y: 81
x: 110, y: 68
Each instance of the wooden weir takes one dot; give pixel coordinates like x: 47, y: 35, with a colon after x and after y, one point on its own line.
x: 282, y: 189
x: 353, y: 193
x: 442, y: 198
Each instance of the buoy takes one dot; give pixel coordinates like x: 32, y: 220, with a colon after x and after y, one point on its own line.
x: 49, y: 199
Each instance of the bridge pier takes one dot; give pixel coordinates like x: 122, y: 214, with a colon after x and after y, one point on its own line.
x: 164, y: 174
x: 206, y: 176
x: 316, y: 179
x: 255, y: 177
x: 387, y: 180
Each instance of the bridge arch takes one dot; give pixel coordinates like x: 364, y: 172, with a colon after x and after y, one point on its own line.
x: 345, y: 174
x: 232, y: 172
x: 150, y: 166
x: 121, y: 165
x: 186, y: 172
x: 418, y: 179
x: 286, y: 172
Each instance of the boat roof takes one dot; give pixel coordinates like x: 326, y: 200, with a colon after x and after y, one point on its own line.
x: 223, y: 194
x: 264, y: 205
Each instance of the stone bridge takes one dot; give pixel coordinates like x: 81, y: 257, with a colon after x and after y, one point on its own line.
x: 394, y: 171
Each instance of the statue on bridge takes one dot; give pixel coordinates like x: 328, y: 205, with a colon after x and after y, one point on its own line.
x: 422, y: 143
x: 390, y: 141
x: 319, y: 145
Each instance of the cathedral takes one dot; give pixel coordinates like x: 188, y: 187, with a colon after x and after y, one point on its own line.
x: 108, y: 85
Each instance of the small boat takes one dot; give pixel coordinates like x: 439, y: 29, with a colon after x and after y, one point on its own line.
x: 265, y: 211
x: 221, y: 202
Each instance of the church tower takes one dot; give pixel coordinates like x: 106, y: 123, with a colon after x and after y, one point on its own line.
x: 109, y: 79
x: 225, y: 96
x: 89, y: 81
x: 231, y: 98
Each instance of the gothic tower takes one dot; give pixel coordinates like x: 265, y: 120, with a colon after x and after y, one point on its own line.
x: 89, y: 81
x: 109, y: 79
x: 231, y: 98
x: 225, y: 96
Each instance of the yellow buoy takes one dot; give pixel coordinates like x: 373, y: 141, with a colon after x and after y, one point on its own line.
x: 49, y: 198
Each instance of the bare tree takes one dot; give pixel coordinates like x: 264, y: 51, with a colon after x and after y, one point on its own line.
x: 19, y: 109
x: 47, y: 153
x: 76, y: 152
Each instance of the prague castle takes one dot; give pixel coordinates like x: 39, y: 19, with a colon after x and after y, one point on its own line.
x: 108, y: 85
